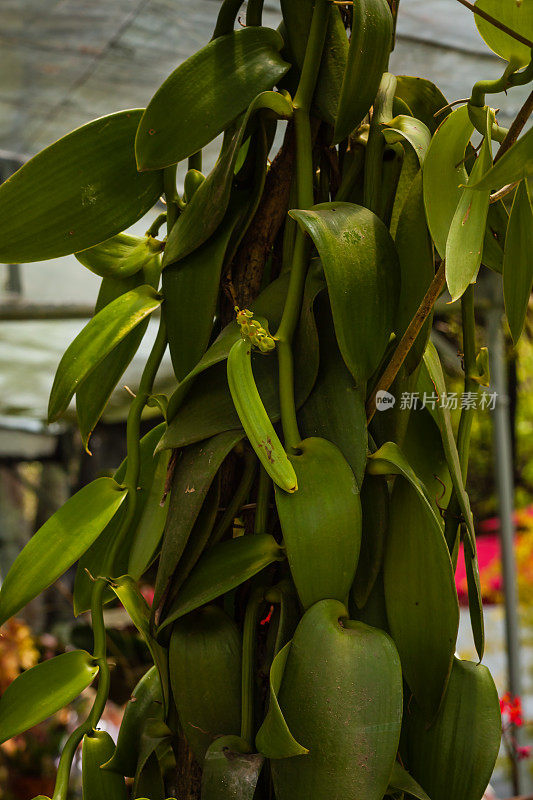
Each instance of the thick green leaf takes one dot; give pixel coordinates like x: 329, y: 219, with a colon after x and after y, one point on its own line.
x: 146, y: 526
x: 422, y: 447
x: 205, y: 93
x: 515, y: 15
x: 417, y: 268
x: 146, y: 701
x: 368, y: 56
x: 93, y: 394
x: 410, y: 129
x: 99, y: 784
x: 455, y: 757
x: 59, y: 543
x: 138, y: 610
x: 274, y: 739
x: 335, y: 409
x: 42, y: 690
x: 297, y: 15
x: 231, y: 770
x: 423, y: 99
x: 419, y: 590
x: 515, y: 165
x: 205, y: 657
x: 321, y: 522
x: 518, y: 261
x: 149, y: 779
x: 445, y: 173
x: 375, y: 514
x: 341, y: 696
x: 401, y: 781
x: 464, y: 245
x: 206, y: 210
x: 193, y: 475
x: 119, y: 257
x: 97, y: 339
x: 76, y: 193
x: 221, y: 569
x: 362, y: 272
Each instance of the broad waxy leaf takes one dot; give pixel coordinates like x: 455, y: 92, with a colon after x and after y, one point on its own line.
x: 207, y: 92
x: 455, y: 757
x: 297, y: 15
x: 59, y: 543
x: 76, y: 193
x: 375, y: 515
x: 410, y: 129
x: 149, y: 779
x: 515, y: 15
x: 42, y: 690
x: 464, y: 245
x: 230, y: 770
x: 518, y: 261
x: 145, y: 530
x: 422, y: 447
x: 401, y: 781
x: 368, y: 56
x: 420, y: 589
x: 445, y: 173
x: 205, y: 656
x: 100, y: 784
x: 515, y: 165
x: 206, y: 210
x: 362, y: 272
x: 221, y: 569
x: 321, y: 522
x: 423, y: 99
x: 341, y: 696
x: 119, y: 257
x: 335, y: 409
x: 274, y: 739
x: 93, y: 394
x: 97, y: 339
x: 138, y: 610
x: 146, y: 700
x: 193, y: 475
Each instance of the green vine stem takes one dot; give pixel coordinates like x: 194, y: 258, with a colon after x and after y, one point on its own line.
x: 251, y: 617
x: 476, y: 104
x: 171, y: 195
x: 226, y: 17
x: 263, y: 499
x: 376, y: 142
x: 238, y: 499
x: 305, y: 199
x: 254, y: 12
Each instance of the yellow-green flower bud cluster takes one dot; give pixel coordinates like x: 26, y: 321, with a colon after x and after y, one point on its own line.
x: 258, y: 335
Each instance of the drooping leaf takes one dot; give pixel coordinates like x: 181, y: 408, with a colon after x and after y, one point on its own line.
x: 335, y: 409
x: 97, y: 339
x: 464, y: 245
x: 59, y: 543
x: 375, y: 515
x: 207, y: 92
x: 321, y: 522
x: 119, y: 257
x: 455, y: 757
x: 221, y: 569
x: 76, y: 193
x: 297, y: 15
x: 362, y: 272
x: 206, y: 210
x: 420, y: 589
x: 518, y: 16
x: 193, y: 475
x: 410, y: 129
x: 518, y: 261
x: 146, y: 700
x: 230, y: 770
x: 205, y: 656
x: 368, y: 55
x: 42, y: 690
x: 341, y: 696
x: 274, y: 739
x: 401, y: 781
x: 515, y: 165
x: 99, y: 784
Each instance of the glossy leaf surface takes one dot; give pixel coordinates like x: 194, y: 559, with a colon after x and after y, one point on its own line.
x: 99, y: 784
x: 208, y: 91
x: 230, y: 770
x: 515, y: 15
x: 42, y: 690
x: 362, y: 272
x: 411, y: 130
x: 59, y: 543
x: 423, y: 99
x: 76, y: 193
x: 119, y: 257
x: 97, y: 339
x: 321, y: 522
x: 518, y: 261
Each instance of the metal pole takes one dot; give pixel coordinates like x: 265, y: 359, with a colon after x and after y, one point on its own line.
x: 505, y: 488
